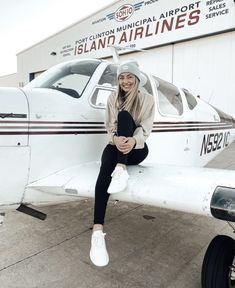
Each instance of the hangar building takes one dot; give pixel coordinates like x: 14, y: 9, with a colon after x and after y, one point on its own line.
x: 189, y: 43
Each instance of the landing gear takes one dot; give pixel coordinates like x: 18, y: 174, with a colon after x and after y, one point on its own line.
x: 218, y: 268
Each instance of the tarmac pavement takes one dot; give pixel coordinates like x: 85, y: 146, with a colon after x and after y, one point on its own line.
x: 148, y: 247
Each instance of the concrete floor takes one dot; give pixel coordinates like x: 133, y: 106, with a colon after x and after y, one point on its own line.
x: 148, y: 247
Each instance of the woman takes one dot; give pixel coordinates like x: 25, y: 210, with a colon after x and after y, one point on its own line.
x: 129, y: 120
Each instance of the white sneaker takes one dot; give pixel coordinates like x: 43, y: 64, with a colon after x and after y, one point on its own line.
x: 119, y: 180
x: 98, y: 253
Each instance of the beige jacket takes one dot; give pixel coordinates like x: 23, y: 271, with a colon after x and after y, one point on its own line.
x: 144, y: 123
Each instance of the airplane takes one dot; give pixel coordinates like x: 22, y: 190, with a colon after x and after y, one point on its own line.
x: 52, y: 134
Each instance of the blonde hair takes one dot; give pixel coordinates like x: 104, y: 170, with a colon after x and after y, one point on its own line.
x: 130, y: 101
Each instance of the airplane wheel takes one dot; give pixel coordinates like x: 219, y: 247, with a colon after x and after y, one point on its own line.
x: 217, y: 267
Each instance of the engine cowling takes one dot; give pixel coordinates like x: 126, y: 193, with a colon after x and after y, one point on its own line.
x: 14, y: 149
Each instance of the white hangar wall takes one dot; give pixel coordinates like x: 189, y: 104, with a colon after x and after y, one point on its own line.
x: 207, y: 67
x: 190, y: 43
x: 10, y: 80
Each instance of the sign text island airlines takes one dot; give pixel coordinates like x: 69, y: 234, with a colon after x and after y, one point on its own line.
x: 149, y: 23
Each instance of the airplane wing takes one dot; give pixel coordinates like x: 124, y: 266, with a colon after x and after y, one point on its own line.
x: 203, y: 191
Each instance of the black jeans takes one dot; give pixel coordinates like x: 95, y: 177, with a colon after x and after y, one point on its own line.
x: 110, y: 157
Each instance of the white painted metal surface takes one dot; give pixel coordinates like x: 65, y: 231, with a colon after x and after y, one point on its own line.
x: 187, y: 189
x: 14, y: 170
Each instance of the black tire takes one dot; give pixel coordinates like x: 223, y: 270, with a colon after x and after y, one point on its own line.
x: 216, y: 264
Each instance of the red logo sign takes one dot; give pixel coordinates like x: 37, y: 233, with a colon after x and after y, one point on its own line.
x: 124, y: 12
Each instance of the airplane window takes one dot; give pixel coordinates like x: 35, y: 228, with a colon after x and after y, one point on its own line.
x: 72, y: 82
x: 191, y: 100
x: 70, y: 77
x: 100, y: 97
x: 169, y: 99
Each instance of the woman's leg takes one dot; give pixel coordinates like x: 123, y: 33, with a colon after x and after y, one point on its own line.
x: 126, y: 128
x: 108, y: 163
x: 136, y: 156
x: 98, y: 252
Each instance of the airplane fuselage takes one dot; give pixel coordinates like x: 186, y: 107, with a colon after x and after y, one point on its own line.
x: 44, y: 131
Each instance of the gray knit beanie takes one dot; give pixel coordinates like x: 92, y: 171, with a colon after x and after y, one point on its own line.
x: 133, y: 68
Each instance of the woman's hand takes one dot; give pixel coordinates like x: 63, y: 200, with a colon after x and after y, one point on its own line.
x: 124, y: 144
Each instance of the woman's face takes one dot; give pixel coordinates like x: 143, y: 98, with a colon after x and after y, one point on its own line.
x: 126, y: 81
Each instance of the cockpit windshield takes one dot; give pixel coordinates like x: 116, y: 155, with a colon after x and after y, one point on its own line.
x: 70, y: 77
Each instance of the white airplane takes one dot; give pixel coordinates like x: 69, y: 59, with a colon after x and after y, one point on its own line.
x: 52, y: 135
